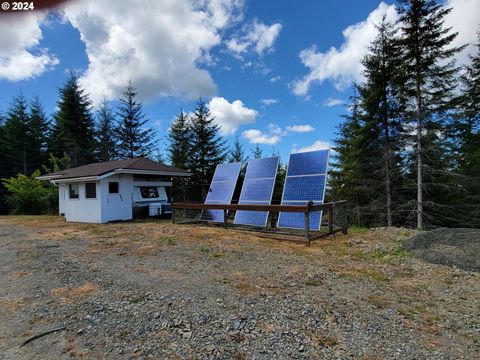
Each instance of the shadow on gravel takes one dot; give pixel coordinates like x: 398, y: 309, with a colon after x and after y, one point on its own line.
x: 451, y: 247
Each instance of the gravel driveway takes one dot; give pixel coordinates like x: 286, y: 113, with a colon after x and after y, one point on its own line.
x: 145, y: 290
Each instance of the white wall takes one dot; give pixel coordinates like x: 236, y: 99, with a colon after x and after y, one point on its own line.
x: 62, y: 194
x: 82, y: 209
x: 117, y: 206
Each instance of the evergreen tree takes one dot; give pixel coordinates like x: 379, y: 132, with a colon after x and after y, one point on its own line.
x: 429, y: 71
x: 180, y: 137
x: 466, y: 132
x: 16, y: 143
x: 208, y: 148
x: 381, y: 120
x: 38, y: 129
x: 257, y: 152
x: 237, y: 154
x: 73, y: 132
x: 106, y: 132
x: 346, y: 178
x: 134, y: 139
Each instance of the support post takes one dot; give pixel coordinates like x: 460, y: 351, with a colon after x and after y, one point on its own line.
x: 307, y: 228
x: 225, y: 218
x: 330, y: 219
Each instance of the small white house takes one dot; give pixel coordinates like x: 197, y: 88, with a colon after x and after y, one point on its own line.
x: 114, y: 190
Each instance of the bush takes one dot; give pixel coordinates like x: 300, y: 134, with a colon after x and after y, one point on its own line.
x: 31, y: 196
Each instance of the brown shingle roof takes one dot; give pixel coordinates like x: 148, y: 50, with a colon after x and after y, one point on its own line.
x: 97, y: 169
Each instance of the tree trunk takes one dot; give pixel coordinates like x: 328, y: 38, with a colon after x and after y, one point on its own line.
x: 419, y: 161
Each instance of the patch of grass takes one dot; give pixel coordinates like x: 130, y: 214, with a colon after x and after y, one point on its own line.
x: 357, y: 230
x: 312, y: 282
x: 395, y: 252
x: 361, y: 255
x: 217, y: 255
x: 325, y: 341
x: 379, y: 302
x: 204, y: 250
x: 375, y: 275
x: 165, y: 241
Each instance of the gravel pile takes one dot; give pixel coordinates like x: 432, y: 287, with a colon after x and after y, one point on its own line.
x: 452, y: 247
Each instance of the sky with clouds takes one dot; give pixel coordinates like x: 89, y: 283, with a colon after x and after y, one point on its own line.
x: 277, y: 74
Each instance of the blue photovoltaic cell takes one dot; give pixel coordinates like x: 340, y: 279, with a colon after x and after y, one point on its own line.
x: 257, y: 189
x: 221, y: 189
x: 254, y: 218
x: 297, y: 220
x: 306, y: 178
x: 308, y: 163
x: 304, y: 188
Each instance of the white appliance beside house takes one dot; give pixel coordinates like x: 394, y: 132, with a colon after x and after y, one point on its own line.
x: 115, y: 190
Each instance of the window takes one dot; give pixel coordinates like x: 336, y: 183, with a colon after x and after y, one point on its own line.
x: 149, y: 192
x: 73, y: 191
x: 90, y: 190
x: 113, y: 187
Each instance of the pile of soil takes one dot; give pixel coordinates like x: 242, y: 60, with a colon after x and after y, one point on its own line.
x: 452, y: 247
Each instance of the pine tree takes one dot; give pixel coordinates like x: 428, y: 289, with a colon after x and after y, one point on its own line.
x: 257, y: 152
x: 382, y: 108
x: 106, y: 132
x: 15, y: 138
x: 180, y: 136
x: 429, y: 81
x: 208, y: 148
x: 38, y: 125
x: 73, y: 131
x: 346, y: 177
x: 466, y: 132
x: 134, y: 139
x: 237, y: 154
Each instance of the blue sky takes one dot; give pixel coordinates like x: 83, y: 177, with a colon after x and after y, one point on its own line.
x: 277, y: 73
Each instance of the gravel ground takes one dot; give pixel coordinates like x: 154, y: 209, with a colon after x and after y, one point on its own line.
x: 154, y: 290
x: 453, y: 247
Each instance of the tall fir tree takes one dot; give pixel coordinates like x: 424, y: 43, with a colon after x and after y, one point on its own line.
x: 208, y: 148
x: 257, y: 152
x: 382, y: 107
x: 134, y: 139
x: 430, y: 71
x: 106, y: 132
x: 180, y: 138
x: 236, y: 153
x: 16, y: 144
x: 38, y: 132
x: 73, y: 132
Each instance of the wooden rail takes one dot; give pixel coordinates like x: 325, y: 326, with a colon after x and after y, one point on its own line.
x: 305, y: 209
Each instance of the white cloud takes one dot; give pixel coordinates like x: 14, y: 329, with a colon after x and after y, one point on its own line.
x: 255, y: 136
x: 300, y: 128
x: 317, y: 145
x: 256, y: 36
x: 274, y: 134
x: 332, y: 102
x: 158, y: 45
x: 230, y: 115
x: 464, y: 18
x: 342, y: 65
x: 268, y: 102
x: 20, y: 57
x: 275, y: 78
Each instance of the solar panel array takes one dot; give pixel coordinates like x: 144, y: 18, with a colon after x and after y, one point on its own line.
x: 257, y: 189
x: 305, y: 181
x: 221, y: 190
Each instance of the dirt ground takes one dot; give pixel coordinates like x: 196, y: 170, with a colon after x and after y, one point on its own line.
x: 142, y: 290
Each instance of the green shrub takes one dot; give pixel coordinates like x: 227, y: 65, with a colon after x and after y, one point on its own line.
x: 27, y: 195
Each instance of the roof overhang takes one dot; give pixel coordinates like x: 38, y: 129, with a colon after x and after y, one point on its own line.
x: 60, y: 179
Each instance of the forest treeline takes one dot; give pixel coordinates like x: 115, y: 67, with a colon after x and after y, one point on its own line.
x: 406, y: 154
x: 408, y: 151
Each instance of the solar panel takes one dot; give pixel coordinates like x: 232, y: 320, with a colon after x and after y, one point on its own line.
x: 305, y: 181
x: 257, y: 189
x: 221, y: 189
